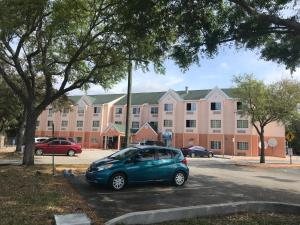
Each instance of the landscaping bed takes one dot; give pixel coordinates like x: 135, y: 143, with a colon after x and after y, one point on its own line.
x: 31, y: 195
x: 242, y: 219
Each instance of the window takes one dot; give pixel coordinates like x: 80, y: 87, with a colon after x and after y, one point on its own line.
x: 80, y: 109
x: 154, y: 125
x: 215, y: 106
x: 65, y: 110
x: 136, y: 110
x: 168, y: 107
x: 78, y: 139
x: 239, y: 105
x: 97, y: 109
x: 154, y: 110
x: 146, y: 154
x: 215, y: 144
x: 242, y: 123
x: 191, y: 107
x: 215, y: 124
x: 64, y: 123
x: 168, y: 123
x: 37, y: 123
x: 50, y: 112
x: 135, y: 125
x: 118, y: 110
x: 118, y: 122
x: 56, y: 142
x: 79, y: 123
x: 96, y: 123
x: 164, y: 154
x: 65, y: 143
x: 94, y: 140
x: 190, y: 123
x: 242, y: 145
x: 50, y: 122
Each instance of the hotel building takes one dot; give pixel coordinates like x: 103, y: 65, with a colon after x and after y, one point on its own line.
x: 208, y: 118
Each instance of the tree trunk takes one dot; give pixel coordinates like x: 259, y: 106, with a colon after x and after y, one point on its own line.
x: 20, y: 135
x: 262, y: 149
x: 31, y: 117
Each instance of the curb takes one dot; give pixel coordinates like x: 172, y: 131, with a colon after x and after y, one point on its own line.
x: 158, y: 216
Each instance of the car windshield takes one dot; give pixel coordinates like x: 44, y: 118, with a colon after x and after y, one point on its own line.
x: 123, y: 154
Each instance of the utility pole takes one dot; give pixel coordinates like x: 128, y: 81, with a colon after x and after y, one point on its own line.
x: 127, y: 129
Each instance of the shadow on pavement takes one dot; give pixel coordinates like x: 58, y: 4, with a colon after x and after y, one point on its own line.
x: 199, y: 190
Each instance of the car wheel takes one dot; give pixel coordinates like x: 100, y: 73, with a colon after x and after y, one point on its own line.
x: 71, y: 152
x: 39, y: 151
x: 210, y: 155
x: 118, y: 181
x: 179, y: 178
x: 193, y: 155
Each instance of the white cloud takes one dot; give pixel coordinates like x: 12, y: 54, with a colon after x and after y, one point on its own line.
x: 224, y: 65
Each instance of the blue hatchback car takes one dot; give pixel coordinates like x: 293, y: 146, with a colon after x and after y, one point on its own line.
x: 138, y: 165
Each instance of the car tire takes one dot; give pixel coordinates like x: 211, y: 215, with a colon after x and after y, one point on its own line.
x: 210, y: 155
x: 117, y: 181
x: 71, y: 152
x: 193, y: 155
x: 179, y: 178
x: 39, y: 151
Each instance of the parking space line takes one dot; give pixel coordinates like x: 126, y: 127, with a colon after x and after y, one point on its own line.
x: 194, y: 187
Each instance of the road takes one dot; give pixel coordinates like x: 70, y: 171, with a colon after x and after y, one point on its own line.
x: 211, y: 181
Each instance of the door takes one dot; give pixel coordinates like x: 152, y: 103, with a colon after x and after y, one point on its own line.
x: 54, y: 147
x: 141, y: 168
x: 164, y: 166
x: 65, y: 147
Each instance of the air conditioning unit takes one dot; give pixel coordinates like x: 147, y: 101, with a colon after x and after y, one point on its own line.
x: 241, y: 131
x: 217, y: 131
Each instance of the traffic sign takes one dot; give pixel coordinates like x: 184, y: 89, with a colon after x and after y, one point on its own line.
x: 289, y: 136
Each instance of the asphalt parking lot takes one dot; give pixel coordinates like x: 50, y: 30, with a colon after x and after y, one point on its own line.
x: 211, y: 181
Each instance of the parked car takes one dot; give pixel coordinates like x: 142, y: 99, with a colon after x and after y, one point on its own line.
x: 40, y: 139
x: 196, y: 151
x: 139, y: 165
x: 58, y: 147
x: 59, y: 138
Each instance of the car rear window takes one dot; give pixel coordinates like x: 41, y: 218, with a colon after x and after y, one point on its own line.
x: 65, y: 143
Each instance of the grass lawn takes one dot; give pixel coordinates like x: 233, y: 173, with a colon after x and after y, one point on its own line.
x: 31, y: 197
x: 242, y: 219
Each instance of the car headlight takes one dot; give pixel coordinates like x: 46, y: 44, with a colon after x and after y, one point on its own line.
x: 104, y: 167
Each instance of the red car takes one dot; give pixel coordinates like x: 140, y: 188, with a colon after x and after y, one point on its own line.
x: 58, y: 147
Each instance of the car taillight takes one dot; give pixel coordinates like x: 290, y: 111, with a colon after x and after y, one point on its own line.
x: 184, y: 161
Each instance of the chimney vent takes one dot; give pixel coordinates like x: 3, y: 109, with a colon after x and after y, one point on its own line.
x: 186, y: 89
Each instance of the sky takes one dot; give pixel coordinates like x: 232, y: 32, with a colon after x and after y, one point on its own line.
x: 217, y: 71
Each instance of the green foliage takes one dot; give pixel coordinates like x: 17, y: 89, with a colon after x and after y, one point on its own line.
x: 10, y: 108
x: 269, y: 26
x: 267, y: 103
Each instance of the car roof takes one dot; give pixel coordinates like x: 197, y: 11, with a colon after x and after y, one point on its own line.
x: 156, y: 147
